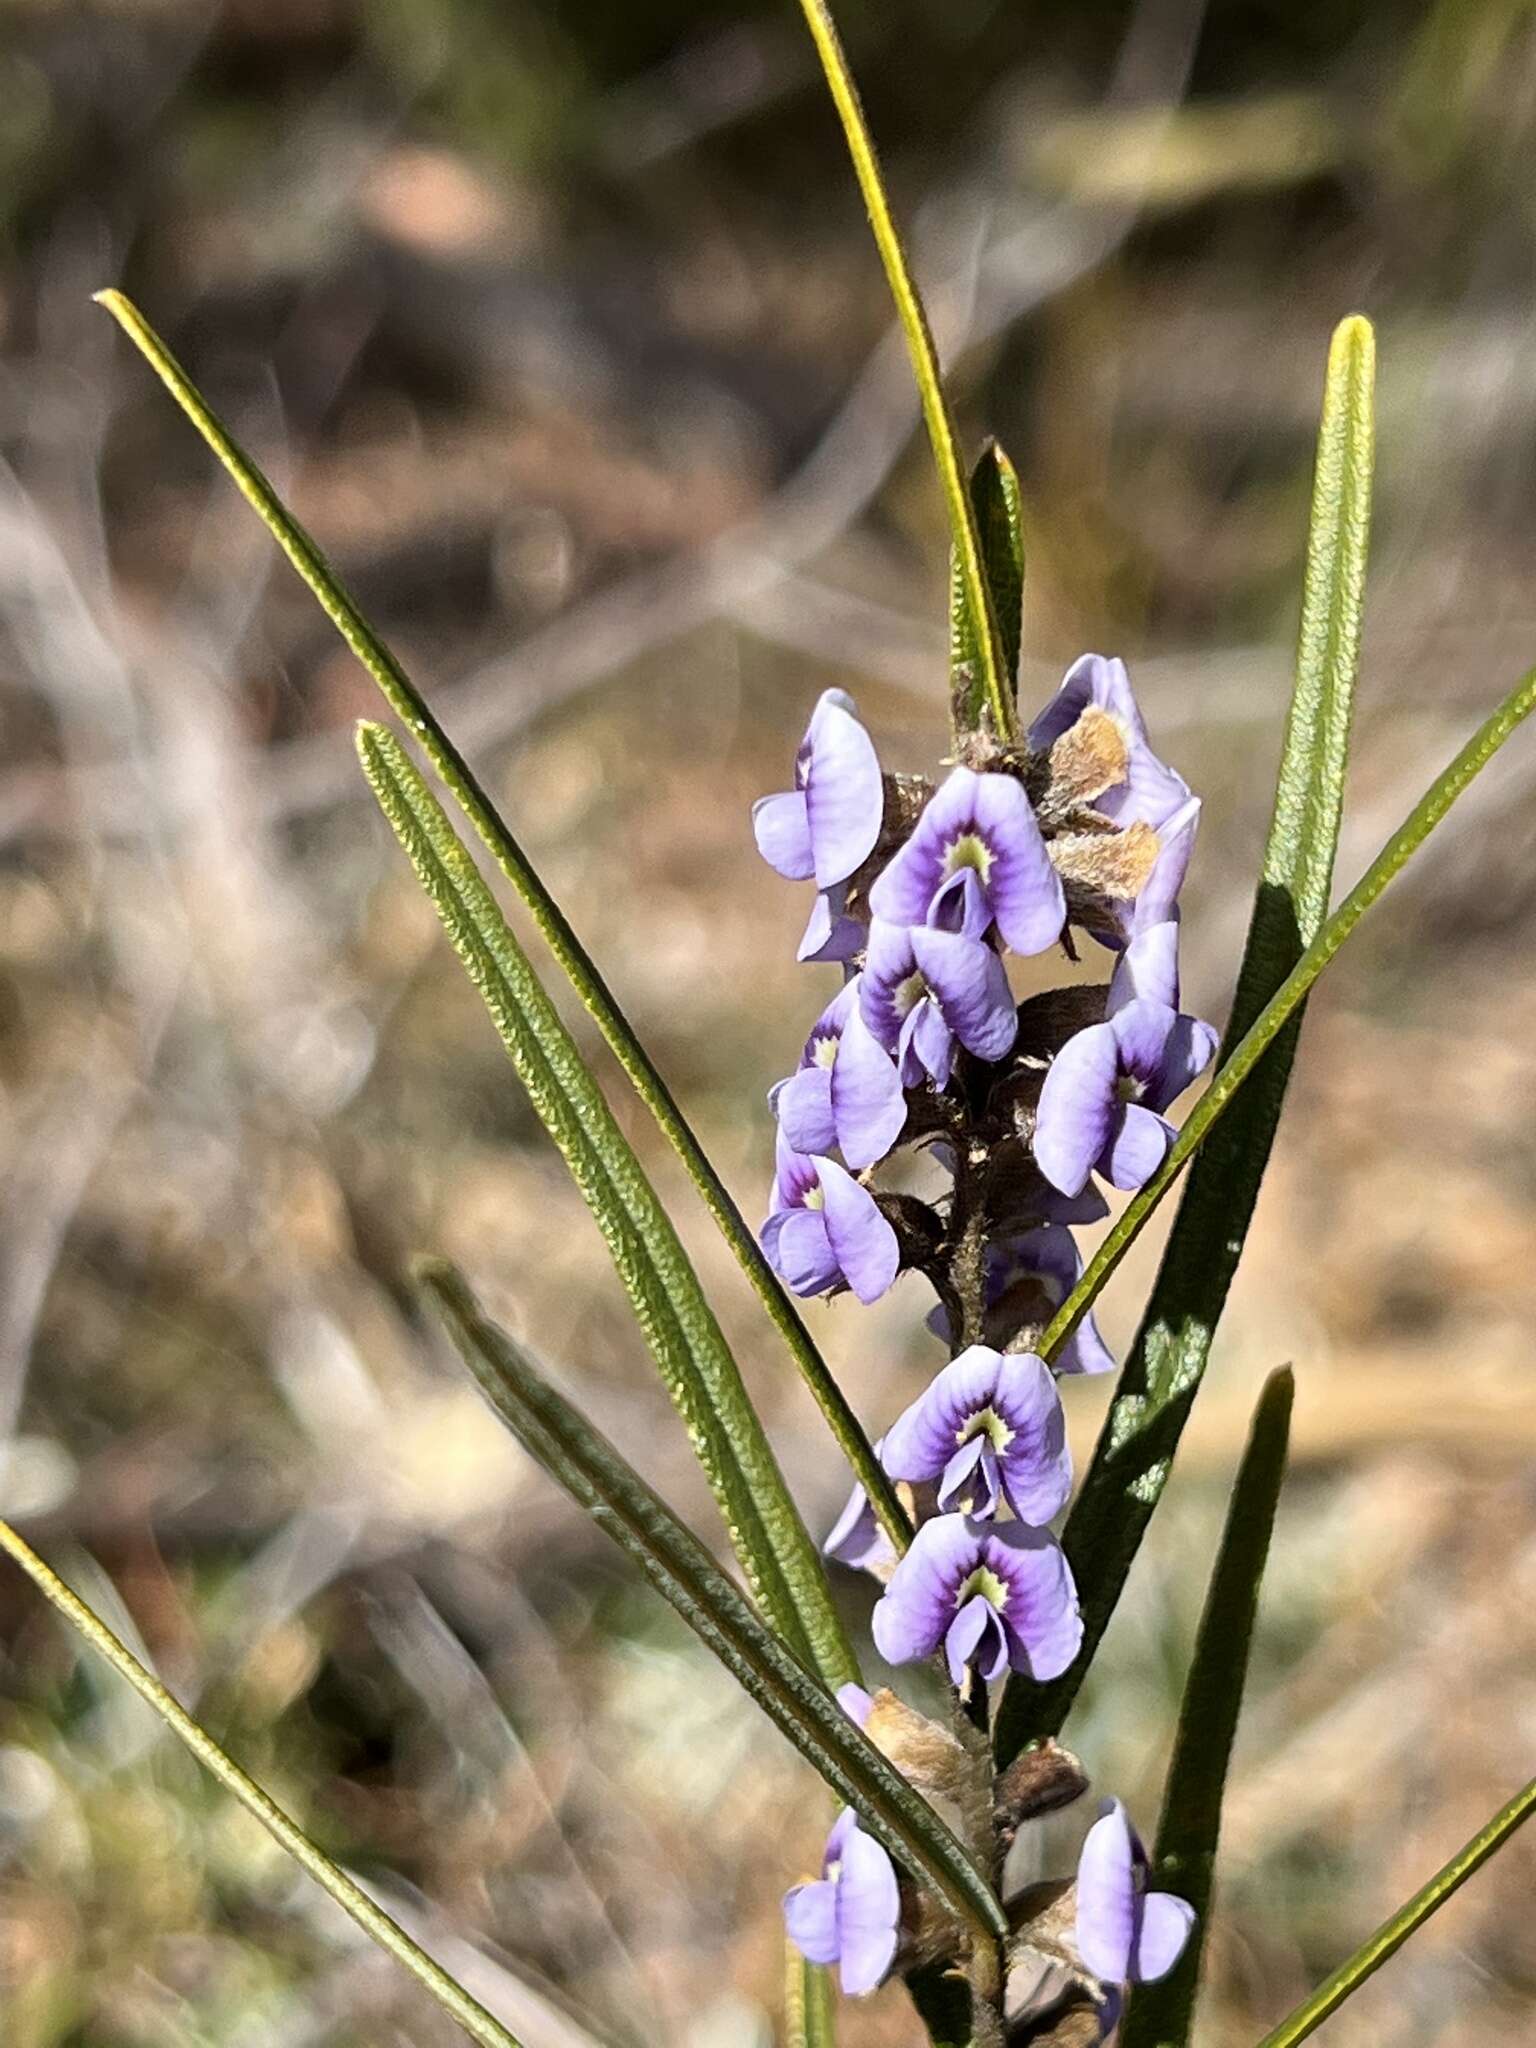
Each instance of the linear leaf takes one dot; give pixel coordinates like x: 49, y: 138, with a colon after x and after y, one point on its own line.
x: 682, y: 1571
x: 810, y: 2004
x: 680, y: 1327
x: 925, y: 367
x: 1391, y: 1934
x: 1131, y: 1462
x: 374, y: 1921
x: 1184, y: 1860
x: 999, y: 510
x: 411, y: 707
x: 1174, y: 1340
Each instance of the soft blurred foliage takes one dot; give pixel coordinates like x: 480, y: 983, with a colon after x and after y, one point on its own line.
x: 561, y: 322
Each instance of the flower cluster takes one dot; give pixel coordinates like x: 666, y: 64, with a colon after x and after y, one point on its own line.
x: 923, y: 894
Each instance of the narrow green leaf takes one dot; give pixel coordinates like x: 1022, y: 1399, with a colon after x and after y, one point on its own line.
x: 810, y: 2003
x: 766, y: 1531
x: 1184, y: 1860
x: 1174, y: 1340
x: 992, y: 663
x: 1391, y: 1934
x: 999, y: 513
x: 408, y: 704
x: 682, y: 1571
x: 1131, y: 1463
x: 374, y: 1921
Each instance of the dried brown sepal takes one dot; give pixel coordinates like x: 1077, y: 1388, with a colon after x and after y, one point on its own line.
x: 1114, y: 864
x: 1040, y: 1780
x: 1076, y: 2021
x: 925, y: 1753
x: 1090, y: 757
x: 1048, y: 1020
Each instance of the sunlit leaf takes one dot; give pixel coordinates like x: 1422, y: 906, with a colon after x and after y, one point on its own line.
x: 1000, y: 526
x: 463, y: 785
x: 970, y: 567
x: 1390, y: 1936
x: 701, y: 1375
x: 374, y: 1921
x: 1169, y: 1355
x: 682, y: 1571
x: 1184, y: 1859
x: 1134, y: 1459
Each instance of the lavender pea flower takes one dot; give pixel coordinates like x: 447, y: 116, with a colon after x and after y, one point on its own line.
x: 989, y: 1429
x: 1104, y: 1093
x: 824, y: 1230
x: 1151, y: 791
x: 924, y: 986
x: 985, y: 823
x: 846, y: 1093
x: 993, y: 1597
x: 857, y: 1540
x: 851, y: 1914
x: 1126, y: 1934
x: 827, y: 825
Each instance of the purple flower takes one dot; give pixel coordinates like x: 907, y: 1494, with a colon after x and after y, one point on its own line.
x: 1125, y: 1933
x: 827, y: 825
x: 1104, y: 1093
x: 925, y: 985
x: 856, y: 1538
x: 1047, y: 1262
x: 846, y: 1092
x: 1158, y: 902
x: 830, y: 934
x: 985, y: 823
x: 849, y: 1915
x: 1151, y: 792
x: 824, y: 1230
x: 992, y: 1596
x: 989, y: 1429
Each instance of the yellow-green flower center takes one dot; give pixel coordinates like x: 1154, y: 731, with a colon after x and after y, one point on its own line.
x: 825, y: 1052
x: 988, y: 1423
x: 970, y: 850
x: 814, y: 1198
x: 987, y: 1584
x: 908, y: 994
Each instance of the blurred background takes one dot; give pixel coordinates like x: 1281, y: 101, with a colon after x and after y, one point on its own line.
x: 561, y: 325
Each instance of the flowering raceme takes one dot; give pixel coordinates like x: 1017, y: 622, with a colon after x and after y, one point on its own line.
x: 923, y: 896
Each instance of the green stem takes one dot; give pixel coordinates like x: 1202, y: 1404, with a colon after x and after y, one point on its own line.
x: 374, y: 1921
x: 925, y: 366
x: 1391, y: 1934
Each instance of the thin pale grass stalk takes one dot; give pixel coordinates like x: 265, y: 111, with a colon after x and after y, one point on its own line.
x: 1407, y: 1920
x: 964, y: 532
x: 480, y: 2025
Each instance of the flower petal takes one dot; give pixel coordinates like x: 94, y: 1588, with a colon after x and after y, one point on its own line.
x: 920, y: 1442
x: 970, y: 1483
x: 1037, y: 1465
x: 803, y: 1105
x: 910, y: 1619
x: 1076, y: 1113
x: 783, y: 834
x: 828, y: 934
x: 1190, y: 1049
x: 844, y: 796
x: 1044, y: 1624
x: 802, y: 1254
x: 888, y: 962
x: 862, y: 1241
x: 1166, y: 1925
x: 1158, y: 901
x: 868, y: 1911
x: 810, y: 1920
x: 1023, y: 887
x: 866, y: 1101
x: 961, y: 906
x: 971, y: 988
x: 1142, y: 1030
x: 1137, y: 1148
x: 1149, y: 967
x: 976, y: 1635
x: 1106, y: 1896
x: 910, y: 880
x: 931, y: 1041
